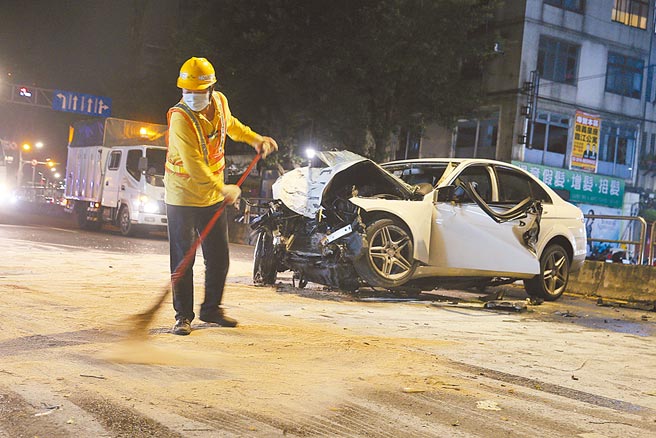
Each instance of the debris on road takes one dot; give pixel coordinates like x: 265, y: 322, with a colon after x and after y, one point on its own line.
x: 94, y: 377
x: 567, y: 314
x: 513, y: 306
x: 48, y: 410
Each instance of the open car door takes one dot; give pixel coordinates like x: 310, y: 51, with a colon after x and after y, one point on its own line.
x: 473, y: 237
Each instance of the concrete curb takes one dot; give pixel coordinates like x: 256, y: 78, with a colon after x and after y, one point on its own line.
x: 614, y: 281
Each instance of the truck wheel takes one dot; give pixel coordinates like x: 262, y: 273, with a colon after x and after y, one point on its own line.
x: 82, y: 219
x: 124, y: 222
x: 265, y: 269
x: 80, y: 216
x: 388, y: 261
x: 551, y: 282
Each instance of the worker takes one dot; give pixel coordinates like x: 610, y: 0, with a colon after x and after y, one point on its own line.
x: 195, y: 188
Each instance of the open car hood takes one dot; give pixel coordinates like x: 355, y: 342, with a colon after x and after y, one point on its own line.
x: 304, y: 190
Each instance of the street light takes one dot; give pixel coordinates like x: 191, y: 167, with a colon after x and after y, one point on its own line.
x: 310, y: 152
x: 26, y: 147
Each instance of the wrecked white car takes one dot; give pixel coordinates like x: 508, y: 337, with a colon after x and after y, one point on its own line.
x: 417, y: 225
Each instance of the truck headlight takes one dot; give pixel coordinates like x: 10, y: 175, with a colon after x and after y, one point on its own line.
x: 151, y: 207
x: 147, y: 205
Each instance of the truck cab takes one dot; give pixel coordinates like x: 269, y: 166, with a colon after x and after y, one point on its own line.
x: 133, y: 192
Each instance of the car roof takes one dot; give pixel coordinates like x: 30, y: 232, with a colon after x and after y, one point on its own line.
x: 457, y: 161
x: 468, y: 161
x: 448, y: 160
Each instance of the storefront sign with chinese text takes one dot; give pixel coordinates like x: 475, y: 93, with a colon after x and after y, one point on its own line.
x: 584, y: 188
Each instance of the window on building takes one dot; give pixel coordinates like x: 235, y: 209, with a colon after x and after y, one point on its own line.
x: 632, y: 13
x: 558, y: 60
x: 466, y: 134
x: 409, y: 143
x: 650, y: 78
x: 477, y: 137
x: 550, y: 132
x: 570, y: 5
x: 617, y: 149
x: 624, y: 75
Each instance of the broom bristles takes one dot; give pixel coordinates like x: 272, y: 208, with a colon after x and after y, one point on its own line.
x: 141, y: 321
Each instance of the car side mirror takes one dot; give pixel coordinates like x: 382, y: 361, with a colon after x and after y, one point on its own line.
x: 449, y: 194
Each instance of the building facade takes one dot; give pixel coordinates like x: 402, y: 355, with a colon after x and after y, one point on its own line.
x: 571, y: 98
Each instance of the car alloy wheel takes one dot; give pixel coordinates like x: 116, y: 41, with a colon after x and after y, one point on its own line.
x: 388, y: 252
x: 554, y: 274
x: 389, y: 260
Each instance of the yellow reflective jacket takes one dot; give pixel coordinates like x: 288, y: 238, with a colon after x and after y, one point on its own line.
x: 194, y: 167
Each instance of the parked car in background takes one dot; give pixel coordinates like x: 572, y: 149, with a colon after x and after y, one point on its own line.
x: 417, y: 223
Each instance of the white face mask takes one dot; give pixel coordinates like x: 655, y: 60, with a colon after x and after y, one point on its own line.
x: 196, y: 101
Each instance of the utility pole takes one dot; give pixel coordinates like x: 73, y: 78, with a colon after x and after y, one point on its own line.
x: 531, y: 89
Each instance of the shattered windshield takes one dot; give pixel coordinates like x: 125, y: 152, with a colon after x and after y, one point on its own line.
x: 420, y: 173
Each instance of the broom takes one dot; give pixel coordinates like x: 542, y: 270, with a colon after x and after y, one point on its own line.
x: 141, y: 321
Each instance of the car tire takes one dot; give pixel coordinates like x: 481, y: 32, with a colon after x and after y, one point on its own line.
x: 388, y: 260
x: 124, y: 222
x: 552, y: 280
x: 265, y: 269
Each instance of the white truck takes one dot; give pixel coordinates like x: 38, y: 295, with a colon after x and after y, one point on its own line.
x: 115, y: 174
x: 8, y: 153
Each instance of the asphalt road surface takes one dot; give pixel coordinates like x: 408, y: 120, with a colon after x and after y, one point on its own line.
x: 302, y: 362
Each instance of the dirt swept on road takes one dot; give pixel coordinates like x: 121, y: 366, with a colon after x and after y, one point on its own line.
x: 299, y: 364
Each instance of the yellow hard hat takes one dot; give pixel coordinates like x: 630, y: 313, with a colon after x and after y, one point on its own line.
x: 196, y: 74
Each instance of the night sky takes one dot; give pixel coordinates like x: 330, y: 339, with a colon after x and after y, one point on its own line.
x: 76, y: 46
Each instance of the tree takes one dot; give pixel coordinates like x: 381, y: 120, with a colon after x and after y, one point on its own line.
x: 345, y: 73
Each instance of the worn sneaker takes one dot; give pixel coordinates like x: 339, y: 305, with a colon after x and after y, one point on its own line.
x: 218, y: 317
x: 182, y: 327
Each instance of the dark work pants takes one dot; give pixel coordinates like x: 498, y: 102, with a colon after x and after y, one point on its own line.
x: 185, y: 225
